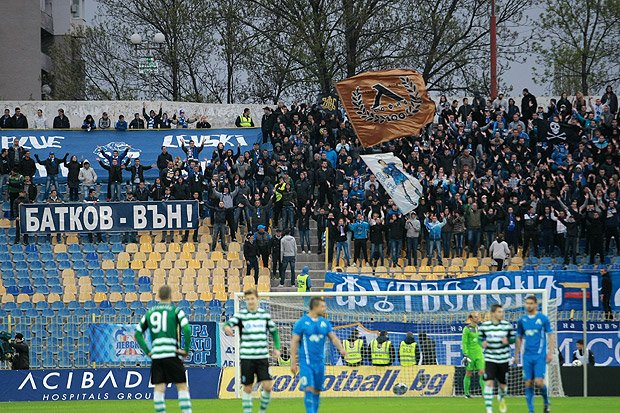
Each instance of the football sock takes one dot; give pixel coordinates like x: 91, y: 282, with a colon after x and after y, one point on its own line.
x: 545, y: 395
x: 501, y: 393
x: 481, y: 384
x: 265, y: 398
x: 467, y: 384
x: 529, y: 397
x: 309, y: 402
x: 246, y: 402
x: 488, y: 397
x: 185, y: 403
x: 159, y: 400
x: 317, y: 401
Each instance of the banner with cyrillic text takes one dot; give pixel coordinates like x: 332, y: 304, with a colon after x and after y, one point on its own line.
x: 108, y: 216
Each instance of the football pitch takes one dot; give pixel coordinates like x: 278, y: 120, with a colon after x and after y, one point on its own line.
x: 331, y: 405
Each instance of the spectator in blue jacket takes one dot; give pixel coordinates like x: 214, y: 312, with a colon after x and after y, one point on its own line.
x: 434, y: 226
x: 121, y: 124
x: 360, y: 229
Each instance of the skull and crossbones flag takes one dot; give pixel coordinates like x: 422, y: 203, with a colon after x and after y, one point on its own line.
x: 562, y: 133
x: 385, y: 105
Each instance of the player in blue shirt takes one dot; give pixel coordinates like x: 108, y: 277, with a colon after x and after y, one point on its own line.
x: 309, y: 334
x: 533, y: 328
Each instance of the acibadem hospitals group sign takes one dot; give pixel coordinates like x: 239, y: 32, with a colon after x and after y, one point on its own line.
x: 108, y: 216
x: 366, y: 381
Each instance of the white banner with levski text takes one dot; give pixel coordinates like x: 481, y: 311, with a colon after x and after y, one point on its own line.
x: 403, y: 188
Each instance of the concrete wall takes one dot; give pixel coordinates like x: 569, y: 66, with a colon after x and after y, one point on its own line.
x: 20, y: 65
x: 220, y: 116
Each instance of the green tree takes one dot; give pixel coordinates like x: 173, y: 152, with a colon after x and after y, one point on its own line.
x: 578, y: 43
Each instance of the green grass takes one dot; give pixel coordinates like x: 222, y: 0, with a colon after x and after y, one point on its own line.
x: 345, y: 405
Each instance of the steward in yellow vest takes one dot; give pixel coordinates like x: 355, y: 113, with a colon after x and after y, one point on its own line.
x: 408, y: 351
x: 381, y: 350
x: 353, y: 346
x: 244, y: 120
x: 303, y: 280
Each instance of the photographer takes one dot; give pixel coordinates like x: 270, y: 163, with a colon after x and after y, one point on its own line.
x: 21, y: 358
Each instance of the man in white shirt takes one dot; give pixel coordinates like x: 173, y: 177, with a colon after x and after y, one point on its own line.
x: 499, y: 251
x: 40, y: 121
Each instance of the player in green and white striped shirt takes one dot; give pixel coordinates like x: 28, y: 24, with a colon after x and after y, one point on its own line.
x: 163, y: 322
x: 255, y: 325
x: 496, y: 336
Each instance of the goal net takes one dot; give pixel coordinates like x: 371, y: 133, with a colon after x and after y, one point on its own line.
x: 436, y: 320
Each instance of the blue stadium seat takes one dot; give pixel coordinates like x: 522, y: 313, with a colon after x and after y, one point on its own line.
x: 92, y: 256
x: 200, y: 311
x: 199, y: 303
x: 129, y: 280
x: 58, y: 305
x: 139, y: 312
x: 33, y: 257
x: 11, y: 233
x: 10, y: 282
x: 144, y: 280
x: 6, y: 266
x: 4, y: 248
x: 118, y: 247
x: 55, y: 289
x: 93, y: 265
x: 601, y: 267
x: 64, y: 312
x: 64, y: 360
x: 105, y: 304
x: 53, y: 282
x: 130, y: 288
x: 36, y: 265
x: 111, y: 312
x: 151, y: 303
x: 62, y: 256
x: 129, y: 272
x: 5, y: 257
x: 25, y: 306
x: 27, y: 290
x: 97, y: 273
x: 47, y: 257
x: 3, y: 313
x: 120, y: 304
x: 78, y: 265
x: 587, y: 267
x: 48, y: 312
x: 72, y: 305
x: 115, y: 288
x: 74, y: 249
x: 80, y: 312
x: 135, y: 305
x: 81, y: 359
x: 45, y: 248
x: 98, y: 281
x: 23, y: 282
x: 50, y: 265
x: 82, y: 273
x: 13, y: 290
x: 112, y: 281
x: 88, y: 248
x: 64, y: 265
x: 44, y: 289
x: 89, y: 305
x: 115, y: 238
x: 101, y: 289
x: 49, y: 360
x: 144, y: 288
x: 23, y: 274
x: 77, y: 256
x: 39, y: 282
x: 17, y: 249
x: 108, y: 256
x: 32, y: 312
x: 38, y: 274
x: 21, y: 265
x: 103, y: 248
x: 124, y: 312
x: 32, y: 248
x: 9, y: 306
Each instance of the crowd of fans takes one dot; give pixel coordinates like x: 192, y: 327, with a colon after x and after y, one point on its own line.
x: 486, y: 167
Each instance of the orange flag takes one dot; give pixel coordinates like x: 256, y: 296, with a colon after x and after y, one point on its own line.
x: 386, y: 104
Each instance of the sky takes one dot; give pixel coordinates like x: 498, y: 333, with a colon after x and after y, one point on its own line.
x: 519, y: 75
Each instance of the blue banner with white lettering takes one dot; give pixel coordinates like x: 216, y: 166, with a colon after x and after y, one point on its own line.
x: 143, y: 144
x: 603, y: 341
x: 98, y: 384
x: 108, y: 217
x: 113, y: 343
x: 562, y: 286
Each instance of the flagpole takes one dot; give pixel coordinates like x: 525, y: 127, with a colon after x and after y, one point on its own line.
x: 493, y: 51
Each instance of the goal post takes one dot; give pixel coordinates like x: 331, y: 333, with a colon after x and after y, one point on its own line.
x: 436, y: 319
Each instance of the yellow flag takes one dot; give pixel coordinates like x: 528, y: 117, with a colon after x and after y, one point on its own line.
x: 386, y: 104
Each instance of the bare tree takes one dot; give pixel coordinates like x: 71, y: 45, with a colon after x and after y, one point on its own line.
x: 578, y: 43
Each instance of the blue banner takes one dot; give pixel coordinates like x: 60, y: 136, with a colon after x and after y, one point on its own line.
x: 145, y: 144
x: 108, y: 217
x: 112, y: 343
x: 562, y: 286
x: 98, y: 384
x: 602, y: 340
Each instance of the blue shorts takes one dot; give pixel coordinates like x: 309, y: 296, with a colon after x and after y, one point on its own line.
x: 534, y: 367
x: 311, y: 376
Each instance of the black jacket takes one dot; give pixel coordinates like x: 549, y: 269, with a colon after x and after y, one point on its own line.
x: 73, y: 173
x: 19, y: 122
x: 52, y: 167
x: 249, y: 250
x: 5, y: 165
x: 377, y: 233
x: 115, y: 173
x: 61, y: 123
x: 12, y: 150
x: 28, y: 167
x: 138, y: 172
x: 21, y: 358
x: 163, y: 159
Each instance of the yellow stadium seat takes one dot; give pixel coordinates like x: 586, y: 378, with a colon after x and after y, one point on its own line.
x: 424, y: 269
x: 410, y: 269
x: 131, y: 248
x: 23, y: 298
x: 180, y: 264
x: 140, y: 256
x: 203, y: 274
x: 366, y: 270
x: 206, y: 296
x: 146, y: 248
x: 99, y: 297
x: 60, y: 248
x: 129, y: 297
x: 234, y: 287
x: 264, y: 271
x: 351, y: 269
x: 8, y: 298
x: 68, y: 272
x: 115, y: 297
x: 439, y: 269
x: 201, y: 255
x: 203, y: 287
x: 174, y: 247
x: 107, y: 265
x: 122, y: 265
x: 84, y: 281
x: 171, y: 256
x: 232, y: 255
x: 189, y: 274
x: 401, y: 276
x: 151, y: 265
x: 453, y: 270
x: 160, y: 247
x: 513, y: 268
x: 123, y: 256
x: 194, y: 264
x: 146, y: 297
x: 431, y: 277
x: 468, y: 270
x: 264, y: 287
x: 186, y: 256
x: 263, y: 279
x: 165, y: 264
x: 5, y: 223
x: 187, y: 287
x: 52, y: 298
x: 415, y: 277
x: 189, y: 247
x: 238, y: 264
x: 175, y: 273
x: 488, y: 261
x: 483, y: 269
x: 457, y: 262
x: 221, y: 296
x: 217, y: 255
x: 85, y: 288
x: 203, y: 246
x: 248, y: 281
x: 234, y: 247
x: 218, y: 286
x: 223, y: 263
x: 85, y: 296
x: 518, y: 261
x: 68, y: 297
x: 233, y: 272
x: 206, y: 239
x: 218, y: 272
x: 210, y: 264
x: 144, y: 272
x: 154, y: 256
x: 191, y: 296
x: 70, y: 289
x: 145, y: 239
x: 2, y: 289
x: 472, y: 262
x: 72, y: 239
x: 176, y: 296
x: 159, y: 273
x: 136, y: 265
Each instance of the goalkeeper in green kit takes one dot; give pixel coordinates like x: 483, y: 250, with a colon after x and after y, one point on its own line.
x: 472, y: 353
x: 163, y: 322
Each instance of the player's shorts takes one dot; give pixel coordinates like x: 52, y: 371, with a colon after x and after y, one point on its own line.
x: 168, y: 370
x: 496, y: 371
x: 311, y: 376
x: 534, y: 367
x: 475, y: 364
x: 254, y: 367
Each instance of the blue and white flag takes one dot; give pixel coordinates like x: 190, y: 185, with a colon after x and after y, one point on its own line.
x: 403, y: 188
